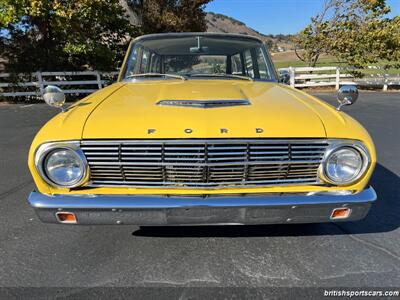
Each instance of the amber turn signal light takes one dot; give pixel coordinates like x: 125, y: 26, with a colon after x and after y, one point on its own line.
x: 340, y: 213
x: 66, y: 217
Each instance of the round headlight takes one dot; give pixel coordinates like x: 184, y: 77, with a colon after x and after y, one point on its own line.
x: 64, y: 167
x: 344, y: 165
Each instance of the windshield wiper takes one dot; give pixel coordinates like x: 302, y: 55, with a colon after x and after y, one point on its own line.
x: 223, y: 75
x: 156, y: 75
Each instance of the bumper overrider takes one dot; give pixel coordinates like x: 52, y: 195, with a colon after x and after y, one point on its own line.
x: 185, y: 210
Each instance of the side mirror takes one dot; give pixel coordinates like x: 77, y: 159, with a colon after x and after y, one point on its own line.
x: 284, y: 77
x: 347, y: 95
x: 54, y: 96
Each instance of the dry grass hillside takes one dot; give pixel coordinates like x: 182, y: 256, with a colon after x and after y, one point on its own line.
x: 222, y: 23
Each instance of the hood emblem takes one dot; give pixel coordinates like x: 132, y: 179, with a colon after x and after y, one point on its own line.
x: 203, y: 103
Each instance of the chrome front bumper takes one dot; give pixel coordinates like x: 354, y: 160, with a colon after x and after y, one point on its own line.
x: 176, y: 210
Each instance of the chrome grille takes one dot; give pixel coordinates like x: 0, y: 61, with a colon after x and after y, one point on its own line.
x: 203, y: 163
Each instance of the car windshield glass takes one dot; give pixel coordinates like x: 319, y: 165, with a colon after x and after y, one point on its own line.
x: 194, y: 57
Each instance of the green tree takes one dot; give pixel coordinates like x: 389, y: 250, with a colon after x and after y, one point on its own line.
x: 313, y: 40
x: 63, y: 34
x: 357, y: 32
x: 169, y: 15
x: 364, y: 35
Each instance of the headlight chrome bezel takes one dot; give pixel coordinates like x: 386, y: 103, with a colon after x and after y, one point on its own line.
x: 46, y: 149
x: 336, y: 145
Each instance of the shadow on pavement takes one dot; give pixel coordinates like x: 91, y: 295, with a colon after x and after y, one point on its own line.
x: 383, y: 217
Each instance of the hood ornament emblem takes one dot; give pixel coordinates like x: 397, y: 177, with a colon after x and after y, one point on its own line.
x: 203, y: 103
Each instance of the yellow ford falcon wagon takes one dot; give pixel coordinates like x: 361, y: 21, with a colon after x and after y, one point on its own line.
x: 199, y: 129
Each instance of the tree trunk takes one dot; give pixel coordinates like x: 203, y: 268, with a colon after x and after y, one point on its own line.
x: 313, y: 60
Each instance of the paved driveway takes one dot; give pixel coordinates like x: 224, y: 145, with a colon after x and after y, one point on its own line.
x: 365, y: 253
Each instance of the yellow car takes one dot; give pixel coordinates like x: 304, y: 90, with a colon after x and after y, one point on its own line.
x: 200, y: 130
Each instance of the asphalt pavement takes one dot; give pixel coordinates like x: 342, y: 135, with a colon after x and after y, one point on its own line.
x: 356, y: 254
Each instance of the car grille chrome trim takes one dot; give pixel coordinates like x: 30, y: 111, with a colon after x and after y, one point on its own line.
x: 190, y: 163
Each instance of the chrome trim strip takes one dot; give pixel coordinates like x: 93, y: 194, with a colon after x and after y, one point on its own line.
x: 211, y: 140
x: 41, y: 201
x: 281, y: 163
x: 203, y: 103
x: 215, y: 186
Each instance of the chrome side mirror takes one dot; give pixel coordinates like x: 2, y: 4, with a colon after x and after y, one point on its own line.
x: 54, y: 96
x: 284, y: 77
x: 347, y: 95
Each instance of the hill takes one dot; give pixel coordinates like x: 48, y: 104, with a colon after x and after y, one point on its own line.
x: 221, y: 23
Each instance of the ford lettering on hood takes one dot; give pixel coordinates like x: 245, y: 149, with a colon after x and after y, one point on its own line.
x: 134, y: 112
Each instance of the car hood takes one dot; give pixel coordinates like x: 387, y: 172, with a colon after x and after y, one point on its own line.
x: 273, y: 111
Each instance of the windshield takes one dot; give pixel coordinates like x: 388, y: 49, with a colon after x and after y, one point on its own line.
x: 215, y: 57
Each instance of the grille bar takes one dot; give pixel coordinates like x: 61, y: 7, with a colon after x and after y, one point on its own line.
x: 203, y: 163
x: 128, y: 163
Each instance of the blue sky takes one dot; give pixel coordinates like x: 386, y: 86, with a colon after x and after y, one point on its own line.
x: 276, y: 16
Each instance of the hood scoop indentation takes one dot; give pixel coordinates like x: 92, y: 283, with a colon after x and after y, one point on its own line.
x: 203, y: 103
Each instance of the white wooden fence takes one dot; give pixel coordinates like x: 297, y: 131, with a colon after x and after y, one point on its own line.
x: 84, y: 82
x: 336, y: 76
